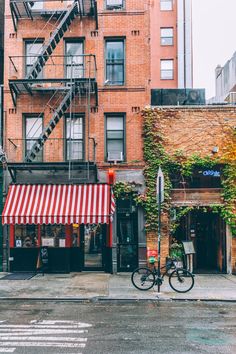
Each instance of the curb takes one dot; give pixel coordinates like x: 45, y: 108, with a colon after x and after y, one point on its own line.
x: 112, y: 299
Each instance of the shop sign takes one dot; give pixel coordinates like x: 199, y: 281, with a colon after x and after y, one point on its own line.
x: 151, y: 253
x: 18, y: 243
x: 62, y: 242
x: 49, y: 242
x: 188, y: 247
x: 211, y: 173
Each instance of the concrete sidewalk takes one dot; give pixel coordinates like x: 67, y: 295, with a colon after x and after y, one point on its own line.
x: 94, y: 286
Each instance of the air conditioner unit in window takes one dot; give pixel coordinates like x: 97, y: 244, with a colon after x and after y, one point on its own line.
x: 115, y: 156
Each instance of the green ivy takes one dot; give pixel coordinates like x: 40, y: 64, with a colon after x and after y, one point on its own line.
x: 155, y: 156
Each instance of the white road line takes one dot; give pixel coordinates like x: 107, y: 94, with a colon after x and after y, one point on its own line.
x: 46, y: 339
x: 36, y: 344
x: 42, y: 326
x: 7, y: 350
x: 26, y: 331
x: 59, y: 322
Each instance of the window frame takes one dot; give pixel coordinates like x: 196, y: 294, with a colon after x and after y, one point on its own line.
x: 31, y: 41
x: 165, y: 37
x: 74, y: 116
x: 114, y: 7
x: 73, y: 40
x: 115, y: 115
x: 30, y: 116
x: 162, y: 70
x: 114, y: 39
x: 166, y: 1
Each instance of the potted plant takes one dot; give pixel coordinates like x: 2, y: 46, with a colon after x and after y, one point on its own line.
x: 177, y: 252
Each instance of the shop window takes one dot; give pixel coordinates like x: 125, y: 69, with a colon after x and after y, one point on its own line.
x: 74, y: 138
x: 32, y: 50
x: 33, y: 129
x: 114, y: 4
x: 53, y: 235
x: 115, y: 135
x: 114, y: 62
x: 74, y: 60
x: 26, y: 236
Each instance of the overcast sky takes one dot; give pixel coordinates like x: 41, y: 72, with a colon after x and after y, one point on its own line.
x: 214, y: 39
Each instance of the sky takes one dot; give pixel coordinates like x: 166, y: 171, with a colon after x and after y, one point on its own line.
x: 214, y: 39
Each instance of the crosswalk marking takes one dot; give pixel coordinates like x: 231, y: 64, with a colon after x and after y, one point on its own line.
x: 27, y: 331
x: 67, y: 335
x: 64, y: 339
x: 36, y: 344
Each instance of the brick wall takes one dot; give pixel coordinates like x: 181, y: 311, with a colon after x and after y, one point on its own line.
x: 132, y: 25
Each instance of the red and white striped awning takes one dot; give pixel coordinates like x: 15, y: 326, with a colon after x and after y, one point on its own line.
x: 58, y: 204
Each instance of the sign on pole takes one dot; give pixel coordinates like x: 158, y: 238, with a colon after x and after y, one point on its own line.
x: 160, y: 185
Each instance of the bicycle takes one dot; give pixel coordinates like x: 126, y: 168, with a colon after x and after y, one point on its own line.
x: 180, y: 279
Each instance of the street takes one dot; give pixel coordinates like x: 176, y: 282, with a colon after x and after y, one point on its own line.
x: 117, y: 327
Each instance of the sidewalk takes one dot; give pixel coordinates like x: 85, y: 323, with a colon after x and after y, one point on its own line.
x: 100, y: 286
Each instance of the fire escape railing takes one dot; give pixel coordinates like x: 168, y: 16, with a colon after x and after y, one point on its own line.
x: 32, y: 9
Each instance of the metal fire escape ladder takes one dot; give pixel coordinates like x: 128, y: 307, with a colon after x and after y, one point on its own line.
x: 57, y: 115
x: 55, y: 38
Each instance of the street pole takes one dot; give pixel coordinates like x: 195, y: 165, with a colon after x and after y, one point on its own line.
x: 159, y: 232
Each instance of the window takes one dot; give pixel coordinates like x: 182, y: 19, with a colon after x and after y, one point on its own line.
x: 33, y: 129
x: 74, y: 60
x: 167, y: 36
x: 32, y: 50
x: 167, y: 69
x: 36, y: 5
x: 115, y: 137
x: 114, y: 62
x: 74, y: 138
x: 166, y: 5
x: 114, y: 4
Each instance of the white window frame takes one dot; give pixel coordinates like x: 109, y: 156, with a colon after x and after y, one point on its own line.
x: 167, y: 73
x: 167, y: 39
x: 166, y: 5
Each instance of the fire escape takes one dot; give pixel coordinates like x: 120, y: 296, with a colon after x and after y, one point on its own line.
x: 48, y: 76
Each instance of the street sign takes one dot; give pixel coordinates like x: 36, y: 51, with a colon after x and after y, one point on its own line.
x: 160, y: 185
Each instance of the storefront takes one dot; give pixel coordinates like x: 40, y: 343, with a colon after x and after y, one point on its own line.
x: 71, y: 221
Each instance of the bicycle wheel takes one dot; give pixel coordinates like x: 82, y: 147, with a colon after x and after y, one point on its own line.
x: 181, y: 280
x: 143, y: 278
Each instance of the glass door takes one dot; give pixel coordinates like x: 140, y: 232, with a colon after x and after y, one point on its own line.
x: 93, y: 244
x: 127, y: 234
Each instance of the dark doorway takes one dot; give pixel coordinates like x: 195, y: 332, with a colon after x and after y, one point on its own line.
x: 127, y: 236
x: 208, y: 232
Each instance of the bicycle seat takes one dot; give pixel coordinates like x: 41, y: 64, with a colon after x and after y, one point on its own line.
x: 151, y: 260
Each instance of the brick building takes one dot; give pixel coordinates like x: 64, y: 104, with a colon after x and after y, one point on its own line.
x: 204, y: 135
x: 77, y: 74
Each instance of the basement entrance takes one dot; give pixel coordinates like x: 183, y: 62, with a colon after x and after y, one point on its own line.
x: 207, y: 230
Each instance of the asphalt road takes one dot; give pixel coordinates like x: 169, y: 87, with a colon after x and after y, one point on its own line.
x: 117, y: 327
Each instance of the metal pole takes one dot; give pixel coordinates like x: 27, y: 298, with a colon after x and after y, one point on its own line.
x: 159, y: 233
